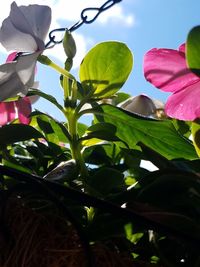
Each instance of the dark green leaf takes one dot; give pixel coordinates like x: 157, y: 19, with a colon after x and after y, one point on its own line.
x: 160, y: 136
x: 17, y: 132
x: 103, y: 131
x: 99, y: 230
x: 53, y: 130
x: 15, y: 165
x: 179, y: 222
x: 98, y: 154
x: 183, y: 127
x: 107, y: 180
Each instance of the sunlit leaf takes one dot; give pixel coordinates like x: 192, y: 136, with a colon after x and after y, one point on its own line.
x: 91, y: 142
x: 193, y: 49
x: 158, y: 135
x: 53, y: 130
x: 196, y: 136
x: 105, y: 69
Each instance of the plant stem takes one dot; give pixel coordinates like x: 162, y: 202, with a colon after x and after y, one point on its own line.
x: 67, y: 77
x: 74, y: 143
x: 70, y: 113
x: 46, y: 61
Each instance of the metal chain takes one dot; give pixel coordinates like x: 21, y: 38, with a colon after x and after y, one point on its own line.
x: 84, y: 20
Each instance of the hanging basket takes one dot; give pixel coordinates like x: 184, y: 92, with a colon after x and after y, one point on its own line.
x: 30, y: 237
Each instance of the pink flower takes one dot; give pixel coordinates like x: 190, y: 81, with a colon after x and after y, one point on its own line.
x: 24, y: 30
x: 15, y: 109
x: 167, y: 70
x: 20, y: 109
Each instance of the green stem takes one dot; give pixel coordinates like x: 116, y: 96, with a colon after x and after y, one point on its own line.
x: 74, y: 143
x: 46, y: 61
x: 70, y: 113
x: 70, y: 83
x: 66, y: 75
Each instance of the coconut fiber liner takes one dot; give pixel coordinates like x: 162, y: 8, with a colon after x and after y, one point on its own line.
x: 31, y: 236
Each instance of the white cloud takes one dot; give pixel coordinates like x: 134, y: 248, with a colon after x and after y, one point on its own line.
x: 116, y: 14
x: 70, y: 11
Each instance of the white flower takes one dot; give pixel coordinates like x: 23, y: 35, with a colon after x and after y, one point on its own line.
x: 18, y: 76
x: 143, y: 105
x: 24, y: 30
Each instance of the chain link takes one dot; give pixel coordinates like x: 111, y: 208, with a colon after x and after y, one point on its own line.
x: 84, y: 20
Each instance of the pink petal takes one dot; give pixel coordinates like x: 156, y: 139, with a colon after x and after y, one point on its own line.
x: 182, y: 48
x: 11, y: 57
x: 166, y: 69
x: 185, y: 104
x: 24, y: 110
x: 7, y: 112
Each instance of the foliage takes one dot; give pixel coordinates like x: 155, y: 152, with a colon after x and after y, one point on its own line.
x: 93, y: 173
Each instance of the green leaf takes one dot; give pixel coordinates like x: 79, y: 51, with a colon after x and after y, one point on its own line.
x: 45, y: 96
x: 98, y: 230
x: 81, y: 128
x: 47, y: 129
x: 119, y: 98
x: 178, y: 222
x: 53, y: 130
x: 98, y: 154
x: 193, y: 49
x: 183, y: 127
x: 105, y: 69
x: 106, y: 181
x: 102, y: 131
x: 178, y: 184
x: 160, y: 136
x: 196, y: 136
x: 17, y: 132
x: 131, y: 235
x: 15, y: 165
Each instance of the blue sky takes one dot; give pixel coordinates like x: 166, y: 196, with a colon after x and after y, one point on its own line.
x: 141, y: 24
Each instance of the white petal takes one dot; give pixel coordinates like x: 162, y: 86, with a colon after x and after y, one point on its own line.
x: 140, y: 104
x: 18, y: 76
x: 19, y: 20
x: 14, y: 40
x: 39, y: 18
x: 34, y: 98
x: 10, y: 83
x: 26, y: 27
x: 25, y: 68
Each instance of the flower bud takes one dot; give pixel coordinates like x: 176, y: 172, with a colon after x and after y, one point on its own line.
x: 44, y: 60
x: 65, y: 171
x: 142, y: 105
x: 69, y: 45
